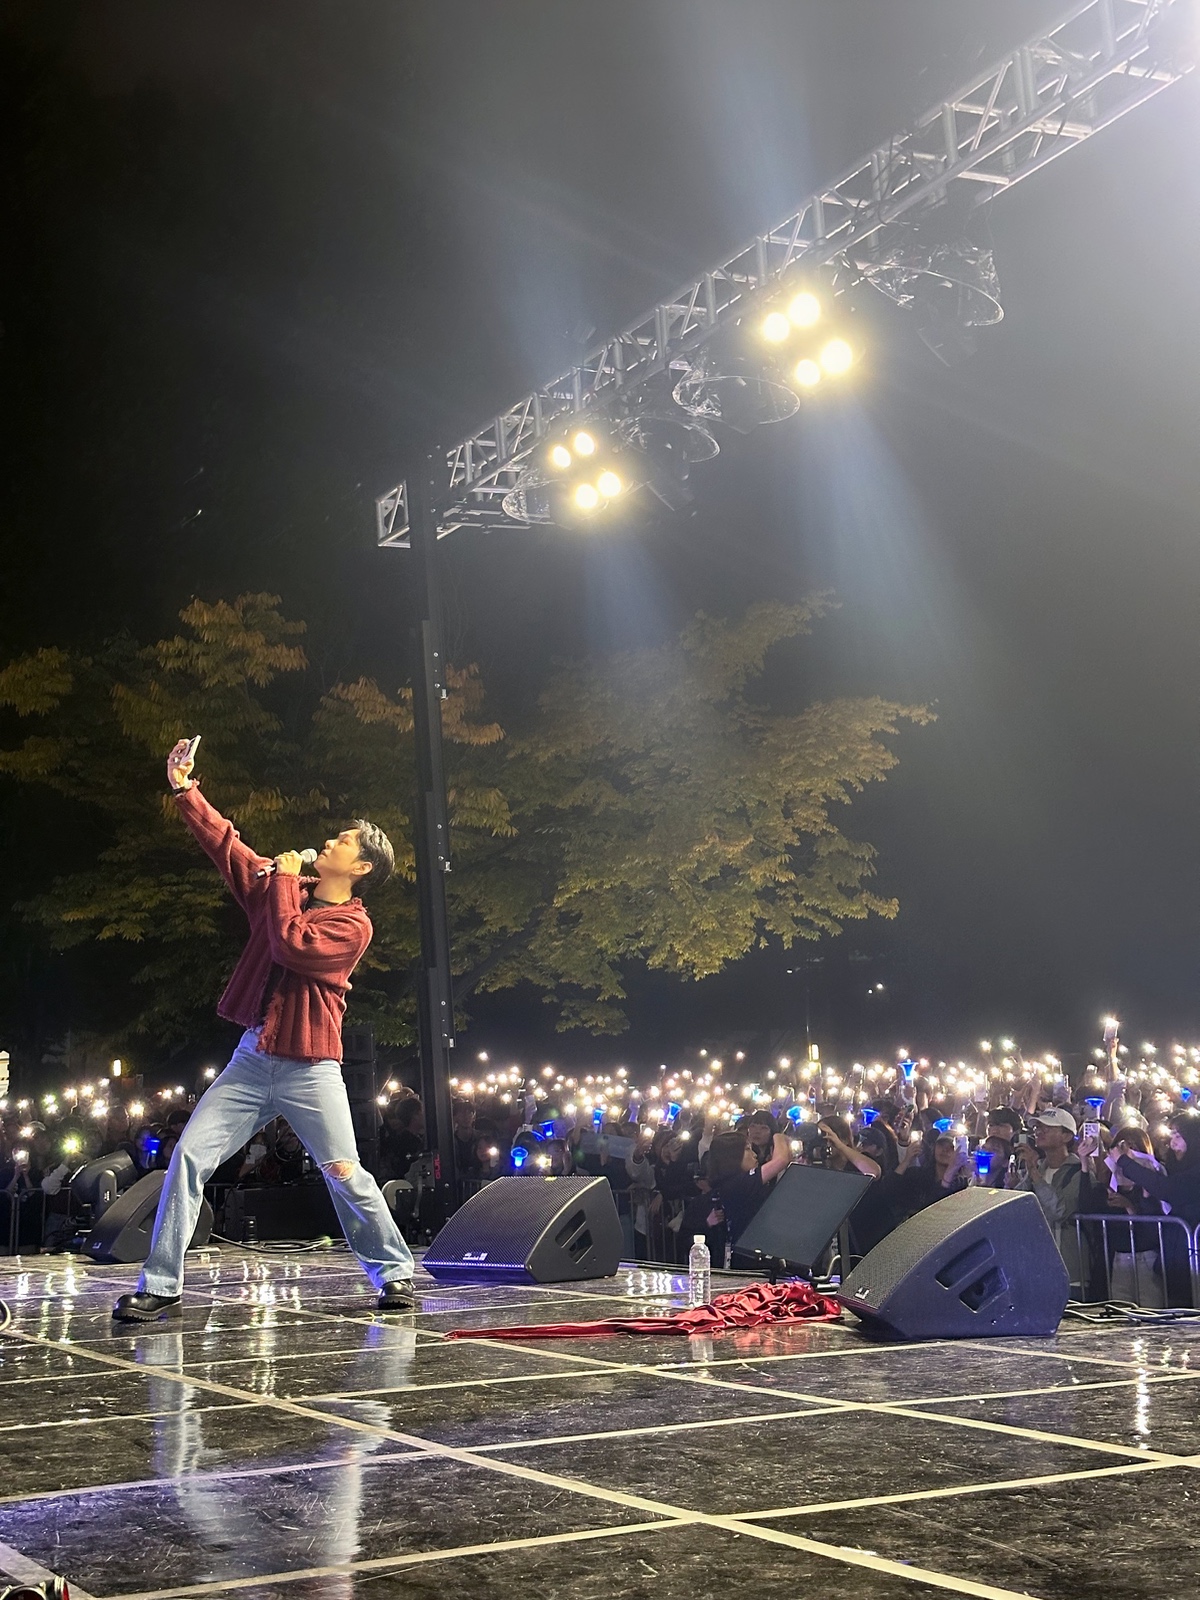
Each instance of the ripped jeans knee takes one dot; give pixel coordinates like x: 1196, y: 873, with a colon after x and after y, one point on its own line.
x: 340, y: 1171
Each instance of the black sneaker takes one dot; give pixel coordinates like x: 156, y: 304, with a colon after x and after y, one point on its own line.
x: 398, y: 1295
x: 145, y: 1307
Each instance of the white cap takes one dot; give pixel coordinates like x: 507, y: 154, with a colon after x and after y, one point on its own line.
x: 697, y: 1238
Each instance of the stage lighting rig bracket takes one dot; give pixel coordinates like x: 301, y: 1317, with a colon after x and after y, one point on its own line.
x: 1101, y: 60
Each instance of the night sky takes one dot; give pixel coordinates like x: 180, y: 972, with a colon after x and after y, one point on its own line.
x: 259, y: 254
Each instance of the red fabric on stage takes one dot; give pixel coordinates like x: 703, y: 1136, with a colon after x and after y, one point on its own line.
x: 756, y: 1306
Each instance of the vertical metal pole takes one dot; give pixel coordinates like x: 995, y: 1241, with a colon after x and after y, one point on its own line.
x: 431, y: 834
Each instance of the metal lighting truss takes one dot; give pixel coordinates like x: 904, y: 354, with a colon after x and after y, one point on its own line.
x: 1100, y: 61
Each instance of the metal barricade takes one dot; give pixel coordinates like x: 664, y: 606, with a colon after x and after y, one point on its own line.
x: 660, y: 1239
x: 1158, y: 1256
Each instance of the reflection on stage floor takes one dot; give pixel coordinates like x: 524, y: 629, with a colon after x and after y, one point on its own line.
x: 285, y: 1438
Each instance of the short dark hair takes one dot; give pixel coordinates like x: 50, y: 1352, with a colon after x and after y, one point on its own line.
x: 1006, y: 1117
x: 407, y: 1110
x: 375, y: 847
x: 763, y: 1117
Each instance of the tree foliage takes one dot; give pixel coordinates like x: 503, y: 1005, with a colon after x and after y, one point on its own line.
x: 652, y: 811
x: 664, y: 816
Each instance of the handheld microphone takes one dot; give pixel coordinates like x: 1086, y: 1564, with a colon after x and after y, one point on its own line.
x: 306, y: 856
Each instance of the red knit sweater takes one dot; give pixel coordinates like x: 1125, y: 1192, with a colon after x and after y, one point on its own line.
x: 317, y: 950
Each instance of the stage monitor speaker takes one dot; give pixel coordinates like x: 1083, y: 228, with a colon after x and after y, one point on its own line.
x: 124, y: 1232
x: 980, y: 1264
x: 801, y: 1214
x: 530, y: 1230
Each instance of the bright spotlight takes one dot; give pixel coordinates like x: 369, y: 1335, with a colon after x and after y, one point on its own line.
x: 807, y: 373
x: 804, y: 309
x: 775, y: 327
x: 837, y: 356
x: 587, y: 497
x: 609, y: 484
x: 583, y: 444
x: 560, y: 457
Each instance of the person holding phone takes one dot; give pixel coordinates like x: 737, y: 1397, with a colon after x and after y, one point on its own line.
x: 288, y: 993
x: 1049, y: 1169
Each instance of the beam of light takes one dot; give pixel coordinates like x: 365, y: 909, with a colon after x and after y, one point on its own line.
x: 837, y: 357
x: 804, y: 309
x: 807, y: 373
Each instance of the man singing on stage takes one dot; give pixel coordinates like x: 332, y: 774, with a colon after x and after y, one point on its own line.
x: 289, y: 993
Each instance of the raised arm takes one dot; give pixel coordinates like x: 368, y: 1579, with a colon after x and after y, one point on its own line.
x: 858, y: 1159
x: 235, y: 861
x: 780, y: 1157
x: 1156, y: 1184
x: 326, y: 948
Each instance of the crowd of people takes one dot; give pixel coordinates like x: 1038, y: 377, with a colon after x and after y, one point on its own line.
x: 1084, y: 1156
x: 692, y: 1168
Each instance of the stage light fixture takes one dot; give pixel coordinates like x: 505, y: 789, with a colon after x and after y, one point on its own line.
x: 804, y: 309
x: 662, y: 447
x: 726, y: 385
x: 609, y: 485
x: 949, y: 283
x: 836, y: 357
x: 583, y: 444
x: 587, y: 496
x: 776, y: 327
x: 559, y: 457
x: 807, y: 373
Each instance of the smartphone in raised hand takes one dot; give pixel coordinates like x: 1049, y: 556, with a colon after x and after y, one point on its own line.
x: 180, y: 762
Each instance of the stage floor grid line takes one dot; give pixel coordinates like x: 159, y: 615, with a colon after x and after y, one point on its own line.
x: 611, y: 1467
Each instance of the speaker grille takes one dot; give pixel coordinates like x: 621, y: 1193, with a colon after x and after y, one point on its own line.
x: 979, y: 1264
x: 918, y: 1238
x: 500, y: 1230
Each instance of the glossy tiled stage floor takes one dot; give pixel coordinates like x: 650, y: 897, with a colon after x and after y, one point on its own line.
x: 283, y: 1439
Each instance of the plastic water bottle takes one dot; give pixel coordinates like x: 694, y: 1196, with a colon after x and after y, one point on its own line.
x: 699, y: 1272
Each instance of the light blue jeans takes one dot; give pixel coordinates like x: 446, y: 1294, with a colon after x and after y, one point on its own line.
x: 253, y: 1089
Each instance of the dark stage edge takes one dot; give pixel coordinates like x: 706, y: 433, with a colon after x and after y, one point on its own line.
x: 284, y: 1439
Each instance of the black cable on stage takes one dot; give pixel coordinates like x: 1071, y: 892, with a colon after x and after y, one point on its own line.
x: 1104, y: 1313
x: 6, y: 1315
x: 287, y: 1247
